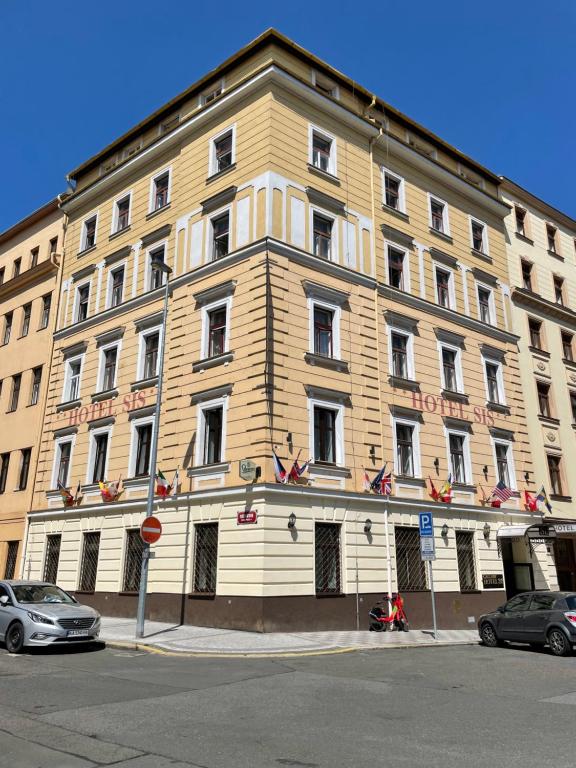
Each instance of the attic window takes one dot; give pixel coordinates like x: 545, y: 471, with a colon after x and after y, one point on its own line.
x: 129, y: 151
x: 212, y: 93
x: 108, y: 165
x: 471, y: 178
x: 421, y: 146
x: 167, y: 125
x: 325, y: 85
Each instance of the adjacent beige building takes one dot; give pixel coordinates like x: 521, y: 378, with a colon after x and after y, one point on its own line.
x: 339, y: 292
x: 29, y: 264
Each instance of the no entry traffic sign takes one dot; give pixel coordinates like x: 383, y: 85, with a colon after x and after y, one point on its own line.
x: 151, y: 530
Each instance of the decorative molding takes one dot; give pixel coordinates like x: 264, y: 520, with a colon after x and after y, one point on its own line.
x: 444, y: 258
x: 212, y: 362
x: 332, y: 395
x: 84, y: 272
x: 108, y: 336
x: 78, y: 348
x: 327, y: 362
x: 219, y: 200
x: 122, y: 253
x: 158, y: 234
x: 449, y: 337
x: 211, y: 394
x: 208, y: 295
x: 397, y: 236
x: 401, y: 321
x: 149, y: 321
x: 317, y: 291
x: 323, y: 200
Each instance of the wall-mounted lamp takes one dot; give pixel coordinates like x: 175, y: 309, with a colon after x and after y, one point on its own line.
x: 437, y: 464
x: 444, y: 531
x: 367, y: 525
x: 486, y: 531
x: 292, y: 520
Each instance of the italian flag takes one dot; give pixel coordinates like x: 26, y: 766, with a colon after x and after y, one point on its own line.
x: 162, y: 488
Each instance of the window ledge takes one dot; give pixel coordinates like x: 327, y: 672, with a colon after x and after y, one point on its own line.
x: 555, y: 255
x: 459, y: 397
x: 142, y: 481
x: 569, y: 363
x: 218, y: 174
x: 205, y: 470
x: 498, y: 407
x: 548, y: 420
x: 326, y: 362
x: 86, y: 250
x: 396, y: 212
x: 524, y: 238
x: 324, y: 174
x: 157, y: 211
x: 540, y: 352
x: 119, y: 232
x: 417, y: 482
x: 144, y: 384
x: 90, y: 488
x: 559, y: 497
x: 328, y: 470
x: 106, y: 394
x: 468, y: 487
x: 441, y: 235
x: 402, y: 383
x: 68, y: 405
x: 481, y: 255
x: 211, y: 362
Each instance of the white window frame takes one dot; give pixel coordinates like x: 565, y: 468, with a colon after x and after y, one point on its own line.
x: 68, y: 376
x: 206, y: 309
x: 401, y: 189
x: 510, y: 458
x: 333, y: 161
x: 101, y: 364
x: 445, y: 214
x: 409, y: 351
x: 451, y: 285
x: 92, y: 434
x: 334, y: 87
x: 339, y: 408
x: 152, y: 191
x: 336, y: 310
x: 467, y: 461
x: 93, y: 215
x: 77, y: 300
x: 334, y: 249
x: 142, y: 349
x: 208, y: 405
x: 406, y: 281
x: 209, y: 253
x: 485, y: 243
x: 491, y: 301
x: 219, y: 84
x: 147, y: 267
x: 134, y: 424
x: 499, y: 379
x: 56, y: 460
x: 416, y: 459
x: 111, y: 271
x: 212, y: 166
x: 115, y: 213
x: 457, y: 364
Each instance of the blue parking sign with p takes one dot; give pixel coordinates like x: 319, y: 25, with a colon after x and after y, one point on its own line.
x: 426, y: 523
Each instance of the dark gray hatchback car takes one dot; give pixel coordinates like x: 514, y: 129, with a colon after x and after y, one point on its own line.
x: 536, y: 618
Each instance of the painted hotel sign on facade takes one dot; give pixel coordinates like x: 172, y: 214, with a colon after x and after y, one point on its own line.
x: 438, y: 404
x: 106, y: 408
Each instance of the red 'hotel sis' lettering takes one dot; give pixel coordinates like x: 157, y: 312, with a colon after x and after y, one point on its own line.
x: 437, y: 403
x: 106, y: 408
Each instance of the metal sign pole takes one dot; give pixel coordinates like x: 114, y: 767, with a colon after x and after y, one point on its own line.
x: 433, y: 598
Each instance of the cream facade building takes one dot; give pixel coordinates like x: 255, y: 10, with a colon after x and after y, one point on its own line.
x: 339, y: 291
x: 29, y: 273
x: 542, y: 264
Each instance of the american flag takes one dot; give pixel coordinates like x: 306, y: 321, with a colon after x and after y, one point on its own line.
x: 501, y: 491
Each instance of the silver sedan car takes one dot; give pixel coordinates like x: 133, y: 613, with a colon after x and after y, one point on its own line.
x: 35, y: 613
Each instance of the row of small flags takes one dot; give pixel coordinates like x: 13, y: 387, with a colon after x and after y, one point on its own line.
x: 111, y: 491
x: 296, y: 471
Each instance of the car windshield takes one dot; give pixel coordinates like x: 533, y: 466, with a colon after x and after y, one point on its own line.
x: 40, y: 593
x: 571, y: 601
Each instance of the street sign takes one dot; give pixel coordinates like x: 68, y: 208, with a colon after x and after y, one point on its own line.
x: 427, y: 549
x: 247, y: 470
x: 247, y: 516
x: 150, y: 530
x: 426, y: 523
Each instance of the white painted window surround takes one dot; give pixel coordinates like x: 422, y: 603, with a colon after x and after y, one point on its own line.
x: 115, y: 212
x: 416, y: 459
x: 58, y: 442
x: 94, y: 215
x: 147, y: 262
x: 334, y: 239
x: 92, y: 435
x: 338, y: 408
x: 68, y: 378
x: 142, y: 349
x: 208, y: 405
x: 409, y: 336
x: 336, y: 310
x: 466, y: 451
x: 457, y: 364
x: 212, y: 163
x: 445, y: 214
x: 491, y: 302
x: 101, y: 363
x: 152, y: 191
x: 451, y: 284
x: 206, y: 309
x: 110, y: 282
x: 134, y: 424
x: 406, y: 281
x: 333, y: 162
x: 485, y: 242
x: 499, y: 378
x: 509, y: 445
x: 401, y: 188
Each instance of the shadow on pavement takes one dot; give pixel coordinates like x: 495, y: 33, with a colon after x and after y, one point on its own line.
x: 62, y: 650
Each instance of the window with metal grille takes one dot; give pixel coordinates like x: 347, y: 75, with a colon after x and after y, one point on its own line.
x: 410, y: 570
x: 46, y: 304
x: 4, y: 464
x: 396, y: 268
x: 132, y: 561
x: 89, y: 566
x: 52, y: 557
x: 25, y: 455
x: 144, y: 439
x: 15, y: 395
x: 322, y: 239
x: 117, y: 287
x: 27, y: 312
x: 216, y: 331
x: 220, y: 236
x: 323, y: 321
x: 325, y: 435
x: 156, y: 275
x: 321, y: 150
x: 205, y: 558
x: 151, y: 343
x: 465, y: 556
x: 110, y: 360
x: 400, y: 355
x: 567, y: 346
x: 11, y: 557
x: 36, y: 379
x: 327, y: 558
x: 443, y: 287
x: 213, y: 422
x: 161, y: 190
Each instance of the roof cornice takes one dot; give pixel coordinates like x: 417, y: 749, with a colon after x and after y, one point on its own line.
x: 549, y: 308
x: 514, y: 190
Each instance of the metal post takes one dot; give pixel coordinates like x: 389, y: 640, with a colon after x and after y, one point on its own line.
x: 153, y: 456
x: 433, y: 598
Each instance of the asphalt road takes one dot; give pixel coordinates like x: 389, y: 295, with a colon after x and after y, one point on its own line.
x: 454, y: 706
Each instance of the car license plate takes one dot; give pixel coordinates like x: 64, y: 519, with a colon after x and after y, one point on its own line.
x: 78, y: 632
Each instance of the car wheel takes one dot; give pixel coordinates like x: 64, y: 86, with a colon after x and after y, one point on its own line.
x: 488, y: 635
x: 559, y: 644
x: 15, y: 638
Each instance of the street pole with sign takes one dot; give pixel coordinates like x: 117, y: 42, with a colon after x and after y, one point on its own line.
x: 158, y: 264
x: 428, y: 552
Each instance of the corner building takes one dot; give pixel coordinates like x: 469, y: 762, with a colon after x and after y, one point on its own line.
x: 339, y: 291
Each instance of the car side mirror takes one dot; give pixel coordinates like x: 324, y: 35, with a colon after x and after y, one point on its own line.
x: 501, y: 609
x: 4, y: 600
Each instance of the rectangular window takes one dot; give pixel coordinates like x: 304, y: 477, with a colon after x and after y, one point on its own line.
x: 73, y: 384
x: 25, y: 455
x: 220, y: 236
x: 567, y: 346
x: 405, y: 449
x: 543, y: 390
x: 157, y: 276
x: 399, y: 343
x: 323, y: 329
x: 52, y: 557
x: 100, y: 455
x: 122, y: 214
x: 143, y: 444
x: 443, y: 287
x: 526, y: 275
x: 160, y: 191
x: 210, y: 95
x: 573, y: 406
x: 4, y: 466
x: 34, y: 253
x: 223, y: 152
x: 492, y: 382
x: 17, y: 267
x: 7, y: 327
x: 465, y: 557
x: 393, y: 191
x: 554, y: 469
x: 15, y: 394
x: 396, y: 268
x: 322, y: 236
x: 64, y: 451
x: 205, y: 558
x: 89, y: 565
x: 217, y: 331
x: 151, y: 344
x: 558, y: 289
x: 478, y: 234
x: 132, y: 561
x: 325, y: 435
x: 27, y: 312
x: 36, y: 380
x: 327, y: 558
x: 110, y: 360
x: 82, y: 301
x: 502, y: 464
x: 485, y: 304
x: 438, y: 216
x: 551, y: 238
x: 2, y: 273
x: 535, y: 331
x: 89, y: 233
x: 520, y: 215
x: 410, y: 569
x: 321, y: 152
x: 457, y: 447
x: 213, y: 427
x: 449, y: 369
x: 46, y: 304
x: 53, y: 246
x: 11, y: 559
x: 117, y: 287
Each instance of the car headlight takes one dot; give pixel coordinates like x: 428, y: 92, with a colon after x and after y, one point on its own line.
x: 38, y: 619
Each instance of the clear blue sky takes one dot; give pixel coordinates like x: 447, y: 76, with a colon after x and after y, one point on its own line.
x: 494, y: 78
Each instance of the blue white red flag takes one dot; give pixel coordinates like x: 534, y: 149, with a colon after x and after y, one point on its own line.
x: 279, y: 471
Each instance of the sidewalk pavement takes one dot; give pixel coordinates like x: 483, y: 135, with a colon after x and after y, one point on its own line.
x: 186, y: 639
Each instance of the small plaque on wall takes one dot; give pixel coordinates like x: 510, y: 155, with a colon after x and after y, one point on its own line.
x: 493, y: 581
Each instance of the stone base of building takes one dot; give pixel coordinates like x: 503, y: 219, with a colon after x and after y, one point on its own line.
x: 454, y: 610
